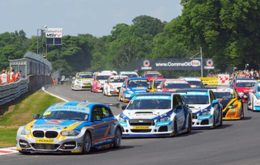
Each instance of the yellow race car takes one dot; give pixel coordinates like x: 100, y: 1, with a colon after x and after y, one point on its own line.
x: 232, y: 105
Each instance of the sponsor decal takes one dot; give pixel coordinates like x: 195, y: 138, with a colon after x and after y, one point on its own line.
x: 146, y: 65
x: 45, y: 141
x: 140, y: 127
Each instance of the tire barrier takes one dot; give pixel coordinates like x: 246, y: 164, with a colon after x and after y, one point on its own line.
x: 12, y: 91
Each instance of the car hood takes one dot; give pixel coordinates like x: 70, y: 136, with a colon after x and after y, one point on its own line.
x: 195, y: 108
x: 55, y: 124
x: 116, y: 85
x: 145, y: 114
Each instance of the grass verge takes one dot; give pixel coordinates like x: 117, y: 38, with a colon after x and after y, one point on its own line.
x: 21, y: 113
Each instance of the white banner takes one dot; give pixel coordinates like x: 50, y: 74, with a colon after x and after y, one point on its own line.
x: 53, y: 33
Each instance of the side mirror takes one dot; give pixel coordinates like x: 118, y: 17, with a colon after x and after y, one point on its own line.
x: 123, y: 107
x: 37, y: 116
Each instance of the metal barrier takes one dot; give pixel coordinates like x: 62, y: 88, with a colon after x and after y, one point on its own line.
x: 12, y: 91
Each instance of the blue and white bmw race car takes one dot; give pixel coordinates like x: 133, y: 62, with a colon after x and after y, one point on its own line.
x: 74, y: 127
x: 206, y: 109
x: 254, y: 98
x: 131, y: 87
x: 155, y: 114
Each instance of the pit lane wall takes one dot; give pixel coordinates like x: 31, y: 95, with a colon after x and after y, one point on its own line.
x: 12, y: 91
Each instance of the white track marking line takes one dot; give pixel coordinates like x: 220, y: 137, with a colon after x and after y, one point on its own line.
x: 63, y: 99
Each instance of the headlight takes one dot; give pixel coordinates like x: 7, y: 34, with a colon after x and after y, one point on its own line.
x: 122, y: 120
x: 165, y: 119
x: 70, y: 133
x: 205, y: 113
x: 25, y: 131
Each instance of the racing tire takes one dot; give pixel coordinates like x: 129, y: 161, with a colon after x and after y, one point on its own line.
x: 189, y: 125
x: 118, y: 138
x: 220, y: 120
x: 214, y: 122
x: 242, y: 113
x: 87, y: 143
x: 245, y: 107
x: 175, y: 129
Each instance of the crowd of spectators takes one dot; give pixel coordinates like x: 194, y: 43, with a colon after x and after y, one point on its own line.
x: 9, y: 76
x: 253, y: 74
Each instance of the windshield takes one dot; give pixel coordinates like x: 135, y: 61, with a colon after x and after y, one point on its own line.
x: 102, y: 77
x: 222, y: 95
x: 245, y: 84
x: 148, y: 104
x: 85, y: 76
x: 65, y: 115
x: 152, y: 75
x: 138, y: 83
x: 176, y: 86
x: 116, y: 80
x: 157, y: 83
x: 195, y: 99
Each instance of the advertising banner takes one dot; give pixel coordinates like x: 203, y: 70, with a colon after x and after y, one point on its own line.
x: 173, y: 64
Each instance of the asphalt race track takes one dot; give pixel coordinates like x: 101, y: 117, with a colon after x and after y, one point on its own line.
x: 235, y: 143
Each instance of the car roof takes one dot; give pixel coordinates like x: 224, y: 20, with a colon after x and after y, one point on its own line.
x: 193, y: 90
x: 155, y: 94
x: 137, y: 78
x: 74, y: 106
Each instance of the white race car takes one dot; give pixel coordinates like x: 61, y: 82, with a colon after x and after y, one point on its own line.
x: 82, y: 81
x: 113, y: 85
x: 155, y: 114
x: 206, y: 109
x: 254, y: 98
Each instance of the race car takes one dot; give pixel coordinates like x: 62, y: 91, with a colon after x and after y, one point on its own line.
x: 129, y: 74
x: 113, y: 85
x: 155, y: 114
x: 194, y: 82
x: 82, y: 81
x: 244, y: 86
x: 206, y: 109
x: 171, y: 85
x: 74, y: 127
x: 155, y: 84
x: 99, y: 81
x: 131, y: 87
x: 254, y: 98
x: 232, y: 105
x: 150, y: 75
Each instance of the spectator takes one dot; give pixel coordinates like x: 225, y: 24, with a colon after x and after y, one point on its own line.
x: 12, y: 76
x: 4, y: 77
x: 18, y: 75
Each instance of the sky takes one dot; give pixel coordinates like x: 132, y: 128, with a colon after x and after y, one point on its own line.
x: 96, y: 17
